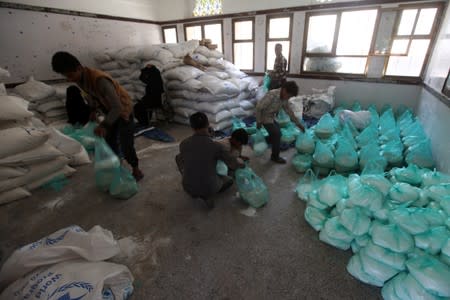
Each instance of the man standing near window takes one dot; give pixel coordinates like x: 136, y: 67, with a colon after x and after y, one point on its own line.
x: 278, y: 75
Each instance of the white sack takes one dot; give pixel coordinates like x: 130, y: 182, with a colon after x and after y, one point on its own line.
x: 42, y: 153
x: 182, y: 73
x: 70, y: 147
x: 13, y: 108
x: 21, y: 139
x: 75, y: 279
x: 65, y: 244
x: 34, y: 90
x: 13, y: 195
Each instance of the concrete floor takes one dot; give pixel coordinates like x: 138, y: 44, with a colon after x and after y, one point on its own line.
x: 183, y: 251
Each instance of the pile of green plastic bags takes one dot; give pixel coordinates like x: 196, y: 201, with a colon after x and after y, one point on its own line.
x: 397, y: 224
x: 389, y: 141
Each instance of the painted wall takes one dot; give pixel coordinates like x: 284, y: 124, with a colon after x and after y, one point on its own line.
x: 176, y: 9
x: 435, y: 118
x: 347, y: 92
x: 440, y: 61
x: 32, y: 37
x: 139, y: 9
x: 434, y: 113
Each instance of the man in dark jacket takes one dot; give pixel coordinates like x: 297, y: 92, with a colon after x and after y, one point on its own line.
x: 198, y: 159
x: 151, y: 76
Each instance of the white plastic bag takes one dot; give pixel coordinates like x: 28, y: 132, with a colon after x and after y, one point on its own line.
x: 65, y: 244
x: 74, y: 279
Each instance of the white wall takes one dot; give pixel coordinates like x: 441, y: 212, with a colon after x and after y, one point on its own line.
x: 139, y: 9
x: 176, y: 9
x: 440, y: 61
x: 29, y: 39
x: 435, y: 118
x: 434, y: 113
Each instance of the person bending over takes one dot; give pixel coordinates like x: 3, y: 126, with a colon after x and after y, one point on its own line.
x: 107, y: 94
x: 198, y: 159
x: 266, y: 111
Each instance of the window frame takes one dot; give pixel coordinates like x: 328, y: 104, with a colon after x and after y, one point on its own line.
x: 234, y: 41
x: 332, y: 54
x: 289, y: 39
x: 169, y: 27
x: 432, y: 37
x: 202, y: 26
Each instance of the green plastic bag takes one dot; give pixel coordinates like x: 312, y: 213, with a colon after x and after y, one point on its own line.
x: 368, y: 135
x: 356, y: 106
x: 221, y: 168
x: 85, y: 135
x: 323, y: 156
x: 266, y: 82
x: 315, y: 217
x: 236, y: 123
x: 124, y: 185
x: 283, y: 118
x: 433, y: 240
x: 306, y: 185
x: 345, y: 156
x: 289, y: 133
x: 421, y: 155
x: 259, y: 143
x: 106, y: 164
x: 302, y: 162
x: 305, y: 142
x: 355, y: 220
x: 391, y: 237
x: 332, y: 189
x: 355, y: 268
x: 431, y: 273
x: 334, y: 234
x: 326, y: 126
x: 374, y: 117
x: 251, y: 187
x: 411, y: 174
x: 376, y: 269
x: 385, y: 256
x: 392, y: 151
x: 434, y: 177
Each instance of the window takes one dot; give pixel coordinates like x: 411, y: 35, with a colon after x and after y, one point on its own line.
x: 335, y: 45
x: 207, y: 8
x: 278, y: 32
x: 244, y: 43
x: 170, y: 34
x: 212, y: 31
x: 411, y: 40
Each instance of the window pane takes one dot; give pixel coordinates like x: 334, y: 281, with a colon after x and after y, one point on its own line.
x: 410, y: 65
x: 243, y: 30
x: 193, y: 33
x: 407, y: 22
x: 279, y: 28
x: 170, y: 35
x: 321, y: 33
x: 355, y: 39
x: 349, y: 65
x: 214, y: 33
x: 425, y: 21
x: 271, y: 53
x: 243, y: 56
x: 400, y: 46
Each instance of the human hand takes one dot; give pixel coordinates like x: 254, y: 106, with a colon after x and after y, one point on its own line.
x: 301, y: 127
x: 100, y: 131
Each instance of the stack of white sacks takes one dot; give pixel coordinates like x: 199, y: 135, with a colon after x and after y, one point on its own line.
x: 31, y: 154
x: 67, y: 264
x: 221, y: 90
x: 45, y: 101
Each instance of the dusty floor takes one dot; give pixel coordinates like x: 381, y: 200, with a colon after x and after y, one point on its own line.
x: 186, y: 252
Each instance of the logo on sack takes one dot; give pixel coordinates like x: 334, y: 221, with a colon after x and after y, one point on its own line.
x: 52, y: 240
x: 72, y: 291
